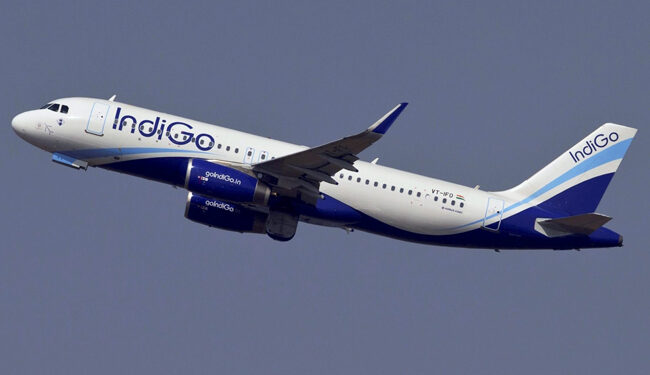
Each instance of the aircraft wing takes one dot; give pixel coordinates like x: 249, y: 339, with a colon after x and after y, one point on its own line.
x: 300, y: 174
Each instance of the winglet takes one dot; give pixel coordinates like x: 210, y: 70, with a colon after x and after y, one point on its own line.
x: 382, y: 125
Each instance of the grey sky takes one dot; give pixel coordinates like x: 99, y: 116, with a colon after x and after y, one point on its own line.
x: 100, y: 273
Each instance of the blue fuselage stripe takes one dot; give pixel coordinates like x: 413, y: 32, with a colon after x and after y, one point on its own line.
x: 108, y: 152
x: 516, y: 231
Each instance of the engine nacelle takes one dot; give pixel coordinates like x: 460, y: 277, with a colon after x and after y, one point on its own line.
x: 216, y: 180
x: 224, y: 215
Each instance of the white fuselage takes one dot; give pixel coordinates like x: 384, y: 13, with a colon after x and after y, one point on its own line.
x: 401, y: 199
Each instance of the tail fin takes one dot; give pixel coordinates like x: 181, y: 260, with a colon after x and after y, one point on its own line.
x: 575, y: 182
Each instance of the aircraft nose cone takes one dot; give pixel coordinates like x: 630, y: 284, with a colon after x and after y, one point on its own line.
x: 18, y: 123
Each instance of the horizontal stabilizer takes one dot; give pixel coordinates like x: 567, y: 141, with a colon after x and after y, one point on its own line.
x: 578, y: 224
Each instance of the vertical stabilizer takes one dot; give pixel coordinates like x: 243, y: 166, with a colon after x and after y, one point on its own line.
x: 575, y: 182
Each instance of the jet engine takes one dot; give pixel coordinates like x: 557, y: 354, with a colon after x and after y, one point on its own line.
x: 224, y: 215
x: 216, y: 180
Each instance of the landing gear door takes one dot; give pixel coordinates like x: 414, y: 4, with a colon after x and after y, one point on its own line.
x: 97, y: 119
x: 493, y: 214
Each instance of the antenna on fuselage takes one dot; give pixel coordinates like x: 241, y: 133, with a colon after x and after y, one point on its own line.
x: 112, y: 98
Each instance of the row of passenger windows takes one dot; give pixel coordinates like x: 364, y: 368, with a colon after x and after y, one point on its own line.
x: 249, y: 153
x: 202, y: 142
x: 56, y: 107
x: 262, y: 155
x: 401, y: 190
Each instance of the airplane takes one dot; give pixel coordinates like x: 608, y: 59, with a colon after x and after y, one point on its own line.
x: 252, y: 184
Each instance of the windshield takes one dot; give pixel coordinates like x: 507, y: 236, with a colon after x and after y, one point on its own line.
x: 56, y: 107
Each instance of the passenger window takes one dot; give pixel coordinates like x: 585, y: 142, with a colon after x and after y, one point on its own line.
x: 462, y: 204
x: 236, y: 150
x: 453, y: 202
x: 392, y: 188
x: 358, y: 179
x: 376, y: 183
x: 419, y: 194
x: 249, y: 153
x: 219, y: 146
x: 341, y: 175
x: 367, y: 182
x: 54, y: 107
x: 435, y: 199
x: 383, y: 186
x: 263, y: 156
x: 410, y: 192
x: 227, y: 148
x: 401, y: 190
x: 350, y: 178
x: 444, y: 200
x: 64, y: 109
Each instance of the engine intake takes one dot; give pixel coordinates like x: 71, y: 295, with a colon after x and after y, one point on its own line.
x: 224, y: 215
x: 219, y: 181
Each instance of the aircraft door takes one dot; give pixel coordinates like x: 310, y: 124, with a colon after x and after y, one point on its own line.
x: 97, y: 119
x: 248, y: 157
x: 494, y: 210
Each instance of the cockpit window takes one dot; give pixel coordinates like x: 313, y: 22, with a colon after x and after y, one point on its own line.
x: 56, y: 107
